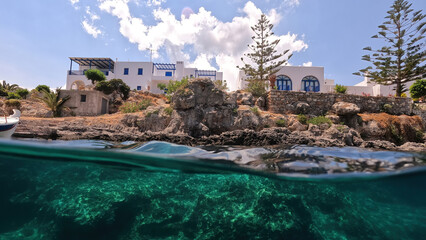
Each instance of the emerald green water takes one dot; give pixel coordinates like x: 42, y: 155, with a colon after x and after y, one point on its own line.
x: 63, y: 191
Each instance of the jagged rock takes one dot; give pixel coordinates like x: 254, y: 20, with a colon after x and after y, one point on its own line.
x: 302, y: 107
x: 345, y: 109
x: 244, y: 98
x: 334, y: 118
x: 412, y: 147
x: 183, y: 99
x: 246, y: 119
x: 261, y: 102
x: 379, y: 144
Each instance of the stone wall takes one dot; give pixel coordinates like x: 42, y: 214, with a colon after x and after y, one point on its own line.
x: 321, y: 103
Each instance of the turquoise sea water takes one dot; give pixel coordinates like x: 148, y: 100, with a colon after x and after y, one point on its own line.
x: 101, y: 190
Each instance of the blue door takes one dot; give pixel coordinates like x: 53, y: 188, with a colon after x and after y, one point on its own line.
x: 284, y: 83
x: 310, y: 84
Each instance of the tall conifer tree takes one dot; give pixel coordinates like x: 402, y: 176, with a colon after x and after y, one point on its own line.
x: 402, y: 59
x: 264, y: 55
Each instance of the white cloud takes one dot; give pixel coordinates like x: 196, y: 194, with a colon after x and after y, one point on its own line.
x: 90, y: 29
x: 292, y: 3
x: 155, y: 2
x: 211, y: 40
x: 92, y: 15
x: 74, y: 4
x: 307, y: 64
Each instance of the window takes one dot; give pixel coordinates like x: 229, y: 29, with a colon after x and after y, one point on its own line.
x: 82, y: 98
x: 310, y: 84
x: 138, y: 88
x: 140, y: 71
x: 284, y: 83
x: 191, y: 76
x: 169, y: 74
x: 126, y: 71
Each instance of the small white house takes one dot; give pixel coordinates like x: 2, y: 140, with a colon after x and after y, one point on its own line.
x: 138, y: 75
x: 296, y: 78
x: 311, y: 79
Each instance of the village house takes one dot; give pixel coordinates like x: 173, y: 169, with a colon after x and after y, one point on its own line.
x: 138, y: 75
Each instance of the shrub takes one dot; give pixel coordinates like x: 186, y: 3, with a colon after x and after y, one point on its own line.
x: 53, y: 101
x: 387, y: 108
x: 280, y: 123
x: 255, y: 110
x: 22, y: 92
x: 148, y: 114
x: 221, y: 85
x: 40, y: 88
x: 340, y: 89
x: 257, y: 88
x: 320, y: 120
x: 419, y: 135
x: 396, y: 136
x: 418, y: 89
x: 144, y: 104
x: 302, y: 118
x: 168, y: 110
x: 403, y: 94
x: 116, y: 86
x: 95, y: 75
x: 13, y: 95
x: 162, y: 86
x: 131, y: 107
x: 13, y: 104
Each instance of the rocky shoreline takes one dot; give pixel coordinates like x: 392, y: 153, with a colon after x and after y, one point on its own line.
x: 204, y: 115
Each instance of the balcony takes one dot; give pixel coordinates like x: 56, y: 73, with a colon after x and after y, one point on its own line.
x: 81, y: 72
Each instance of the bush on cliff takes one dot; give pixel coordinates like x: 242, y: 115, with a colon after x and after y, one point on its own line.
x: 320, y: 120
x: 131, y: 107
x: 12, y: 104
x: 418, y: 89
x: 173, y: 86
x: 257, y: 88
x: 114, y: 86
x: 22, y: 92
x: 13, y: 95
x: 340, y: 89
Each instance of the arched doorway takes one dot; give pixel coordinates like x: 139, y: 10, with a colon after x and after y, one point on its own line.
x: 78, y: 85
x: 310, y: 84
x: 284, y: 83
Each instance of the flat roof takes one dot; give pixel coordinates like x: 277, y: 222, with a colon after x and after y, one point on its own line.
x: 165, y: 66
x: 103, y: 63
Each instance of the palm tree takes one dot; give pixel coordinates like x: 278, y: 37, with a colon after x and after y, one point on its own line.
x: 8, y: 87
x: 53, y: 101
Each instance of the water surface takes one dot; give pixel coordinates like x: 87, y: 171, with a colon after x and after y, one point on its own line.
x: 156, y: 190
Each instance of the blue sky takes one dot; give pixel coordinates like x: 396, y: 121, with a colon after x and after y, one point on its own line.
x: 37, y: 37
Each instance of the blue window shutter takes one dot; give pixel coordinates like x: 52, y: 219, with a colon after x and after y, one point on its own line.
x: 126, y: 71
x: 168, y: 74
x: 139, y: 88
x: 140, y: 71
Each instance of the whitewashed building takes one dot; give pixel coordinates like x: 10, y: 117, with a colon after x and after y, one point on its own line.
x: 296, y: 78
x: 311, y: 79
x: 138, y: 75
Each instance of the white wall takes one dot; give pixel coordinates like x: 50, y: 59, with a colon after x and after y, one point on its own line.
x: 133, y: 79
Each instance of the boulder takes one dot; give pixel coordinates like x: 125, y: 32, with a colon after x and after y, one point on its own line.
x: 261, y: 102
x: 345, y: 109
x: 302, y: 107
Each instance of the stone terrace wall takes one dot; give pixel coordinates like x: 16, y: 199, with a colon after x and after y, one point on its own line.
x: 321, y: 103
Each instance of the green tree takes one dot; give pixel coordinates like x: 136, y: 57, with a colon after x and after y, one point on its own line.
x: 95, y: 75
x: 340, y: 89
x: 22, y: 92
x: 418, y: 89
x: 114, y: 86
x: 402, y: 57
x: 53, y: 101
x: 221, y: 84
x: 263, y: 54
x: 39, y: 88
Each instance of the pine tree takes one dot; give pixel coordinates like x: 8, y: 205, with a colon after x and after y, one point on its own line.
x: 263, y: 54
x: 402, y: 59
